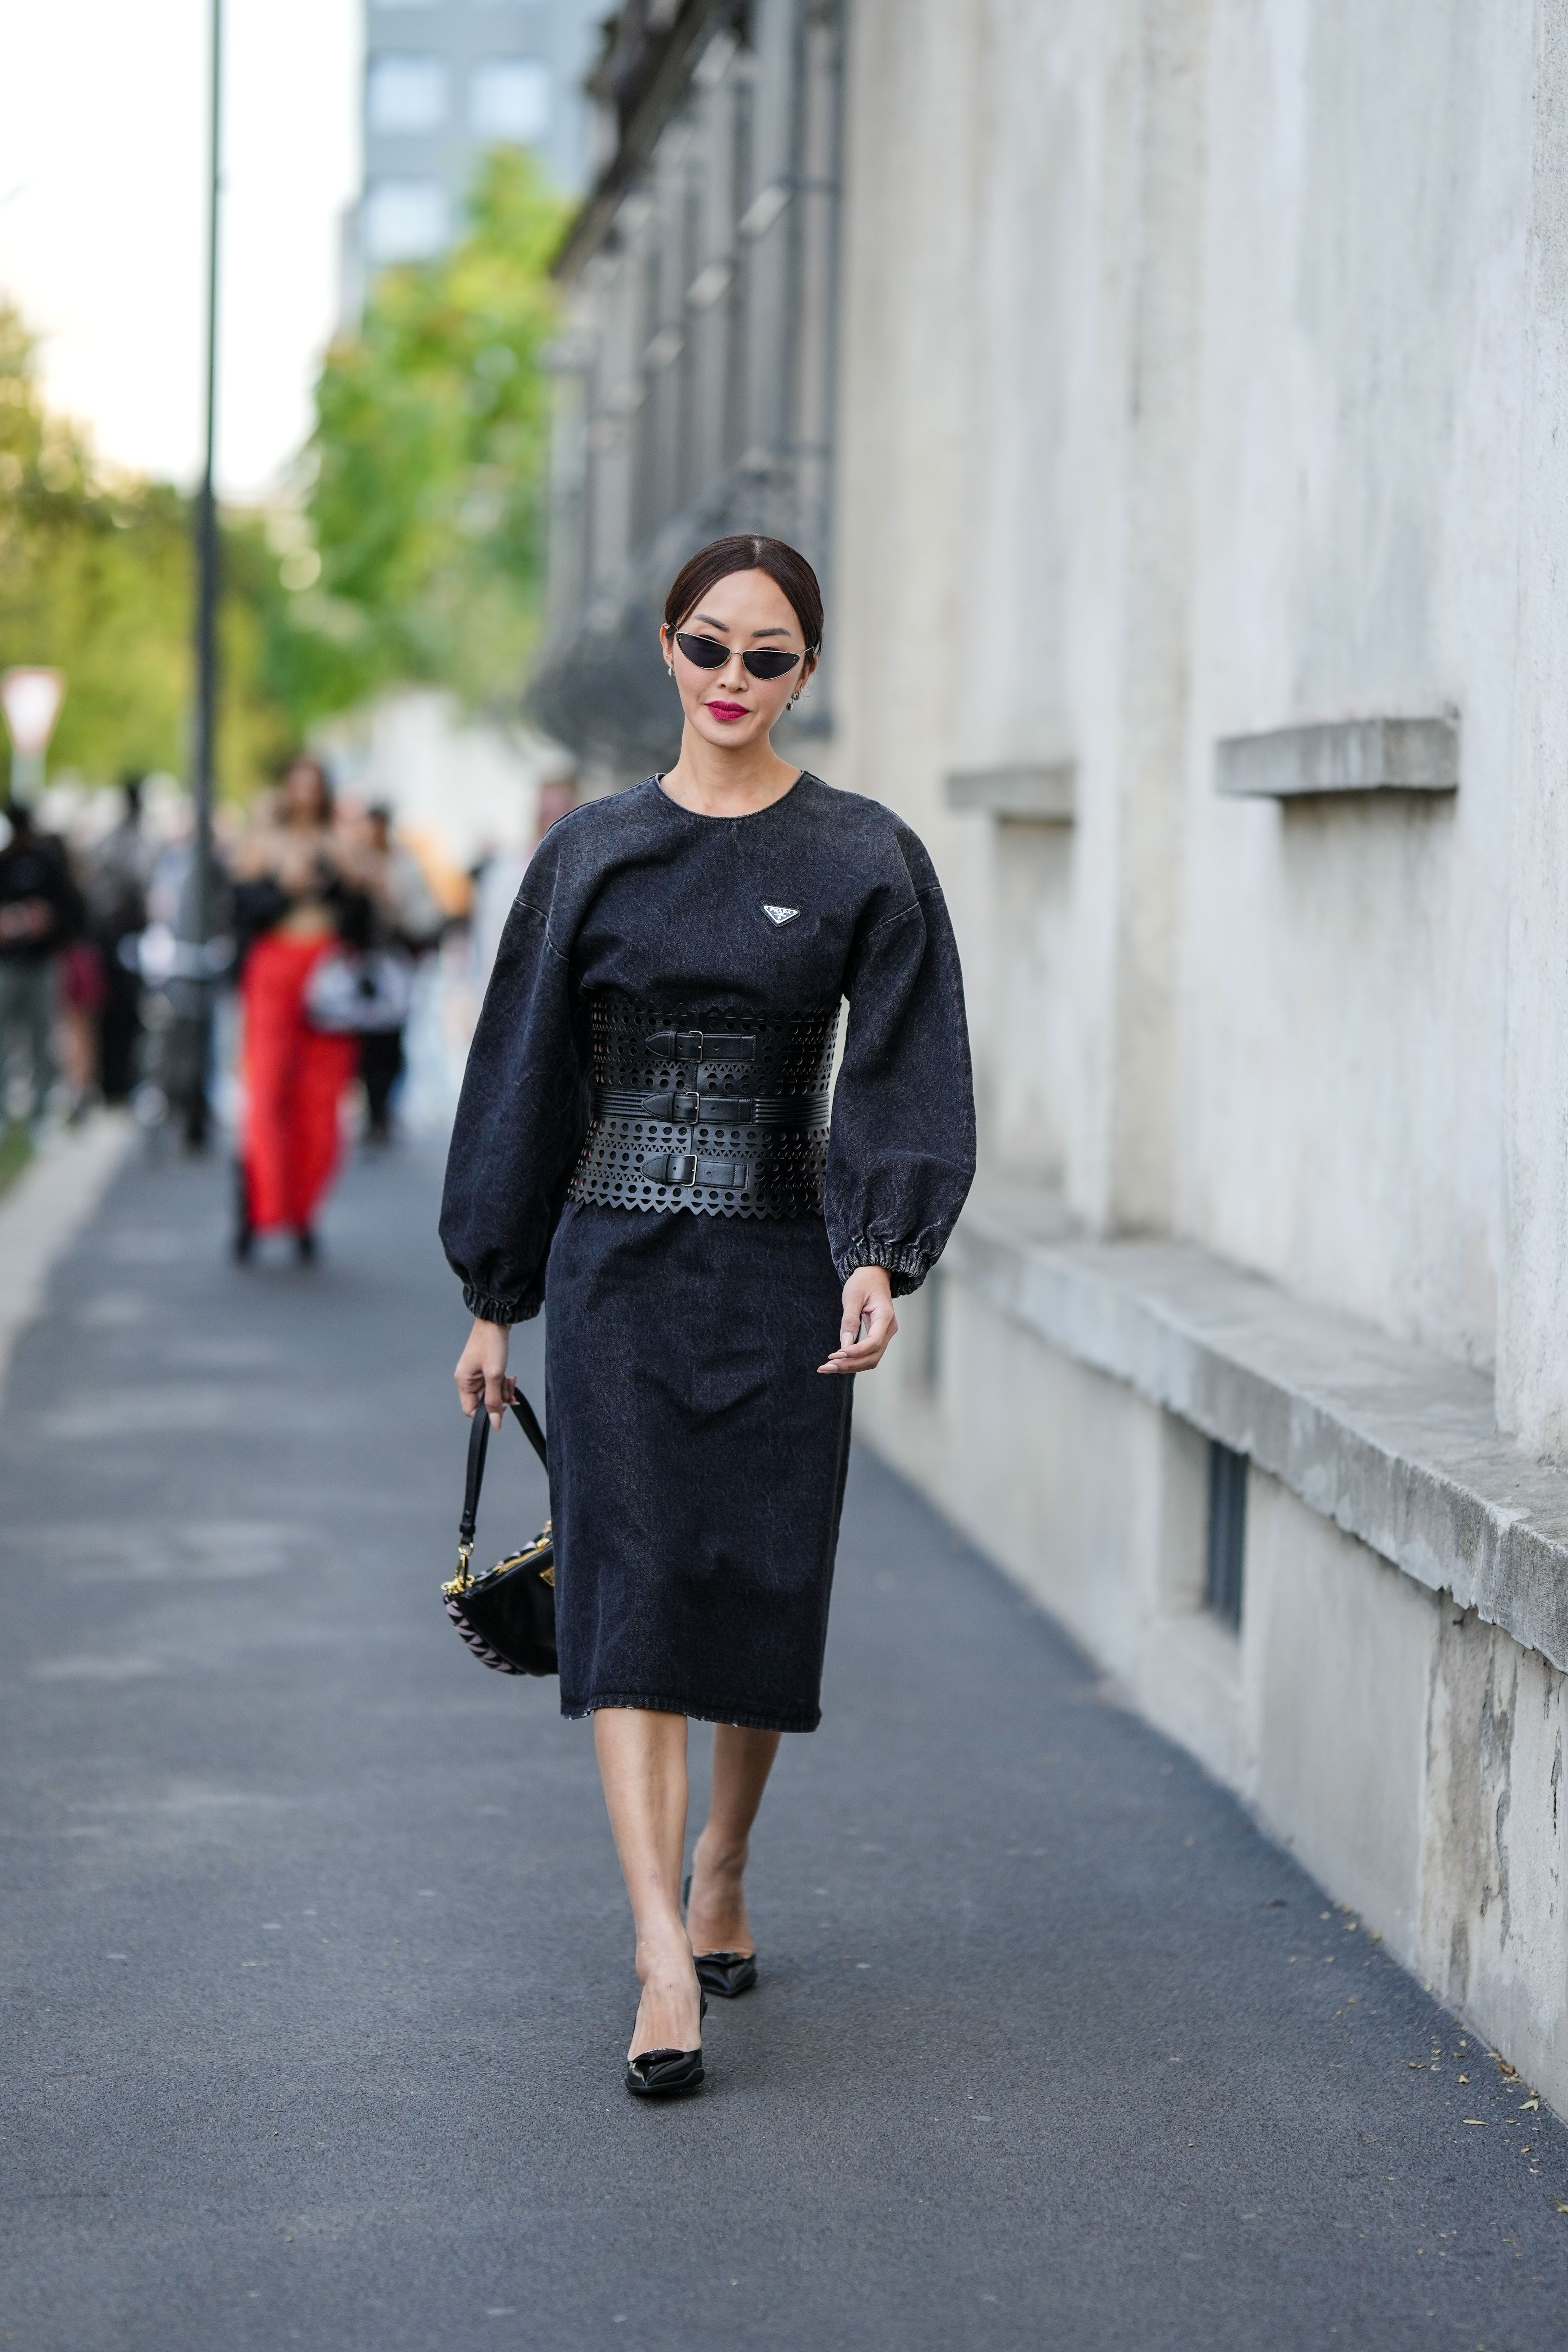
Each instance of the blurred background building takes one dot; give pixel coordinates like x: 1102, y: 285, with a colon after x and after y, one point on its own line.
x: 445, y: 82
x: 1172, y: 392
x: 697, y: 357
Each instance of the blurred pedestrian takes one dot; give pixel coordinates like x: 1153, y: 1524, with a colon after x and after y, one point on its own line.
x: 407, y: 922
x: 293, y: 891
x: 82, y: 993
x: 557, y: 798
x: 657, y: 1038
x: 40, y: 915
x: 117, y: 871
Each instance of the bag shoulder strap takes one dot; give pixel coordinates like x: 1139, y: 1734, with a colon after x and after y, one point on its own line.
x: 529, y: 1425
x: 478, y: 1443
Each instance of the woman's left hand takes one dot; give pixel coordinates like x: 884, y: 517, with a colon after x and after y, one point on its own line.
x: 484, y: 1384
x: 868, y: 1322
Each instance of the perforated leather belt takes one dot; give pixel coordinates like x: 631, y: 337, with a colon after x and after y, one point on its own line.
x: 671, y: 1128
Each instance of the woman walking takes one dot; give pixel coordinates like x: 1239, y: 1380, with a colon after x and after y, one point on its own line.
x: 644, y: 1137
x: 291, y: 888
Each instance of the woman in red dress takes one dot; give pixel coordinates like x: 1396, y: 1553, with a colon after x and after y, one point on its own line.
x: 290, y: 866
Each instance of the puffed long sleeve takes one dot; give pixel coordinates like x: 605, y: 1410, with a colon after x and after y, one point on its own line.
x: 901, y: 1158
x: 521, y: 1116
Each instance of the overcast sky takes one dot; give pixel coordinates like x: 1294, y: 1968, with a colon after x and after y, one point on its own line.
x: 102, y: 226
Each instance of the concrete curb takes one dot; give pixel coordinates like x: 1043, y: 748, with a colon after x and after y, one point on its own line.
x: 46, y: 1209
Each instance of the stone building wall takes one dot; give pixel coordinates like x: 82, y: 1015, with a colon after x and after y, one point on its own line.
x: 1198, y: 370
x: 1201, y: 525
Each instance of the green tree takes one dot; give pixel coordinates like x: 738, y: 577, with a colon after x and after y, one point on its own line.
x: 426, y: 471
x: 96, y: 579
x: 428, y: 461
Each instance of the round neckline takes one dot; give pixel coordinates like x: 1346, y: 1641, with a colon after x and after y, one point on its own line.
x: 747, y: 817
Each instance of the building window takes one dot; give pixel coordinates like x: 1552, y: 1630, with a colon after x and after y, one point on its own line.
x: 509, y: 99
x: 404, y: 220
x: 405, y: 94
x: 1227, y: 1535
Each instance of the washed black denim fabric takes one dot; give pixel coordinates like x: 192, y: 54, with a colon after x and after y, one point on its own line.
x: 697, y: 1462
x: 689, y: 1425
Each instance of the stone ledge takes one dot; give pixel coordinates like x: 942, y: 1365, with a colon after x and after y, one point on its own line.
x: 1350, y: 755
x: 1046, y: 793
x: 1395, y: 1446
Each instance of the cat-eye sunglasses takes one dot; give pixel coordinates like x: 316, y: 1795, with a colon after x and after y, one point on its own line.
x: 762, y: 661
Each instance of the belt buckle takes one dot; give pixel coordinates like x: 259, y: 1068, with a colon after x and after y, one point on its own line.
x: 696, y: 1169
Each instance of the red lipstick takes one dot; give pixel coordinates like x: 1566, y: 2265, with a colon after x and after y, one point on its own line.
x: 728, y: 711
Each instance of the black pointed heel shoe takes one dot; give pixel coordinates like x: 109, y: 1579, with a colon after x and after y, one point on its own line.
x: 666, y: 2074
x: 725, y: 1974
x: 728, y: 1974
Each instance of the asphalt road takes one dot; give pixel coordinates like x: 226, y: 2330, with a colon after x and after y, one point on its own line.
x: 317, y: 1970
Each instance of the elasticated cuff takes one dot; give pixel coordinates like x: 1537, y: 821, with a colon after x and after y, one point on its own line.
x: 905, y: 1262
x: 490, y: 1309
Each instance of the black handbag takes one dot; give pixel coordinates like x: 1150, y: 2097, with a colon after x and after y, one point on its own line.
x: 508, y: 1616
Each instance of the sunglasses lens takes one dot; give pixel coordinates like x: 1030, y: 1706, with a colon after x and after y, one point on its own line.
x: 706, y: 652
x: 769, y: 664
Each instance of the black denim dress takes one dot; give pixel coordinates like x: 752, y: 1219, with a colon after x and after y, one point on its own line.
x: 697, y: 1455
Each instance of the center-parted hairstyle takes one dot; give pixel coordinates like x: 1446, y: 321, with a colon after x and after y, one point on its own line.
x: 745, y: 551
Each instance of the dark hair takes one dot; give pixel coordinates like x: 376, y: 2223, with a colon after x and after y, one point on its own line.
x: 746, y: 551
x: 327, y: 805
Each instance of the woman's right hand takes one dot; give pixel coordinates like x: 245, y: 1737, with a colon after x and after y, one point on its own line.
x: 481, y: 1375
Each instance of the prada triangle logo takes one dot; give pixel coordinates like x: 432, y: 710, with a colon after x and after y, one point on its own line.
x: 779, y: 916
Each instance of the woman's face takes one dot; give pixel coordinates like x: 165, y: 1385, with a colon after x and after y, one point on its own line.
x: 304, y: 795
x: 728, y: 705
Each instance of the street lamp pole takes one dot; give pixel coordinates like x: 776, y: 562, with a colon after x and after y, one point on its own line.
x: 206, y: 526
x: 207, y: 553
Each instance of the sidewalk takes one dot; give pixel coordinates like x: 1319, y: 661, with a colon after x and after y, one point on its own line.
x: 318, y: 1965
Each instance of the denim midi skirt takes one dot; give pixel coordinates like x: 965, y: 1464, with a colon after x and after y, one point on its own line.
x: 697, y: 1462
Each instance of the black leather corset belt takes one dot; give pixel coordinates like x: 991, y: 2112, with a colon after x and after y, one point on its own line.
x: 707, y: 1108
